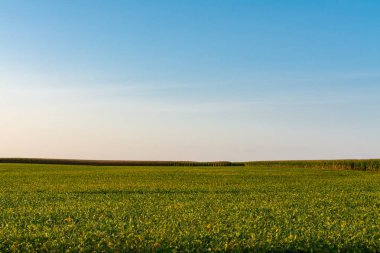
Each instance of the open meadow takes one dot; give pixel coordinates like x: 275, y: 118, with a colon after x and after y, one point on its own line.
x: 81, y: 208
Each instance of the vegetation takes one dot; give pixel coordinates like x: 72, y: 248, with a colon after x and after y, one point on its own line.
x: 362, y: 165
x: 115, y: 162
x: 254, y: 208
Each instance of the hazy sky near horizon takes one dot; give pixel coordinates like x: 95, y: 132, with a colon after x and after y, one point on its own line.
x: 190, y: 80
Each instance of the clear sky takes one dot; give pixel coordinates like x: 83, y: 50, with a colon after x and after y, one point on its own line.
x: 190, y: 80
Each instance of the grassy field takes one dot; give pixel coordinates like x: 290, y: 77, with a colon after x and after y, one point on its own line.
x: 361, y: 165
x: 253, y: 208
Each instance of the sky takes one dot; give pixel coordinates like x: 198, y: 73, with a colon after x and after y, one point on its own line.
x: 190, y: 80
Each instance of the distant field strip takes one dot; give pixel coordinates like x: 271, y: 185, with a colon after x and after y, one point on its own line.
x: 72, y: 208
x: 361, y: 165
x: 115, y: 162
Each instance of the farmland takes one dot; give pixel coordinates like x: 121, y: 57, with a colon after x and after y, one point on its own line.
x: 82, y: 208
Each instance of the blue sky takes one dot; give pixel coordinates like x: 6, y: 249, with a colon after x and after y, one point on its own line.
x: 190, y: 80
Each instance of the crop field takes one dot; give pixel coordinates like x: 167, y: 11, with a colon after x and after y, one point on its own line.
x: 78, y: 208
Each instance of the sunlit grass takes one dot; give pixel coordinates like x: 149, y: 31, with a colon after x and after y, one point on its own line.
x: 86, y: 208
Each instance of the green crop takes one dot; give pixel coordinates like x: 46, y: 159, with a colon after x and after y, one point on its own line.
x: 362, y: 165
x: 56, y: 208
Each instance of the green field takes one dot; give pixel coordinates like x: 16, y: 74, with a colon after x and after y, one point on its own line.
x: 254, y: 208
